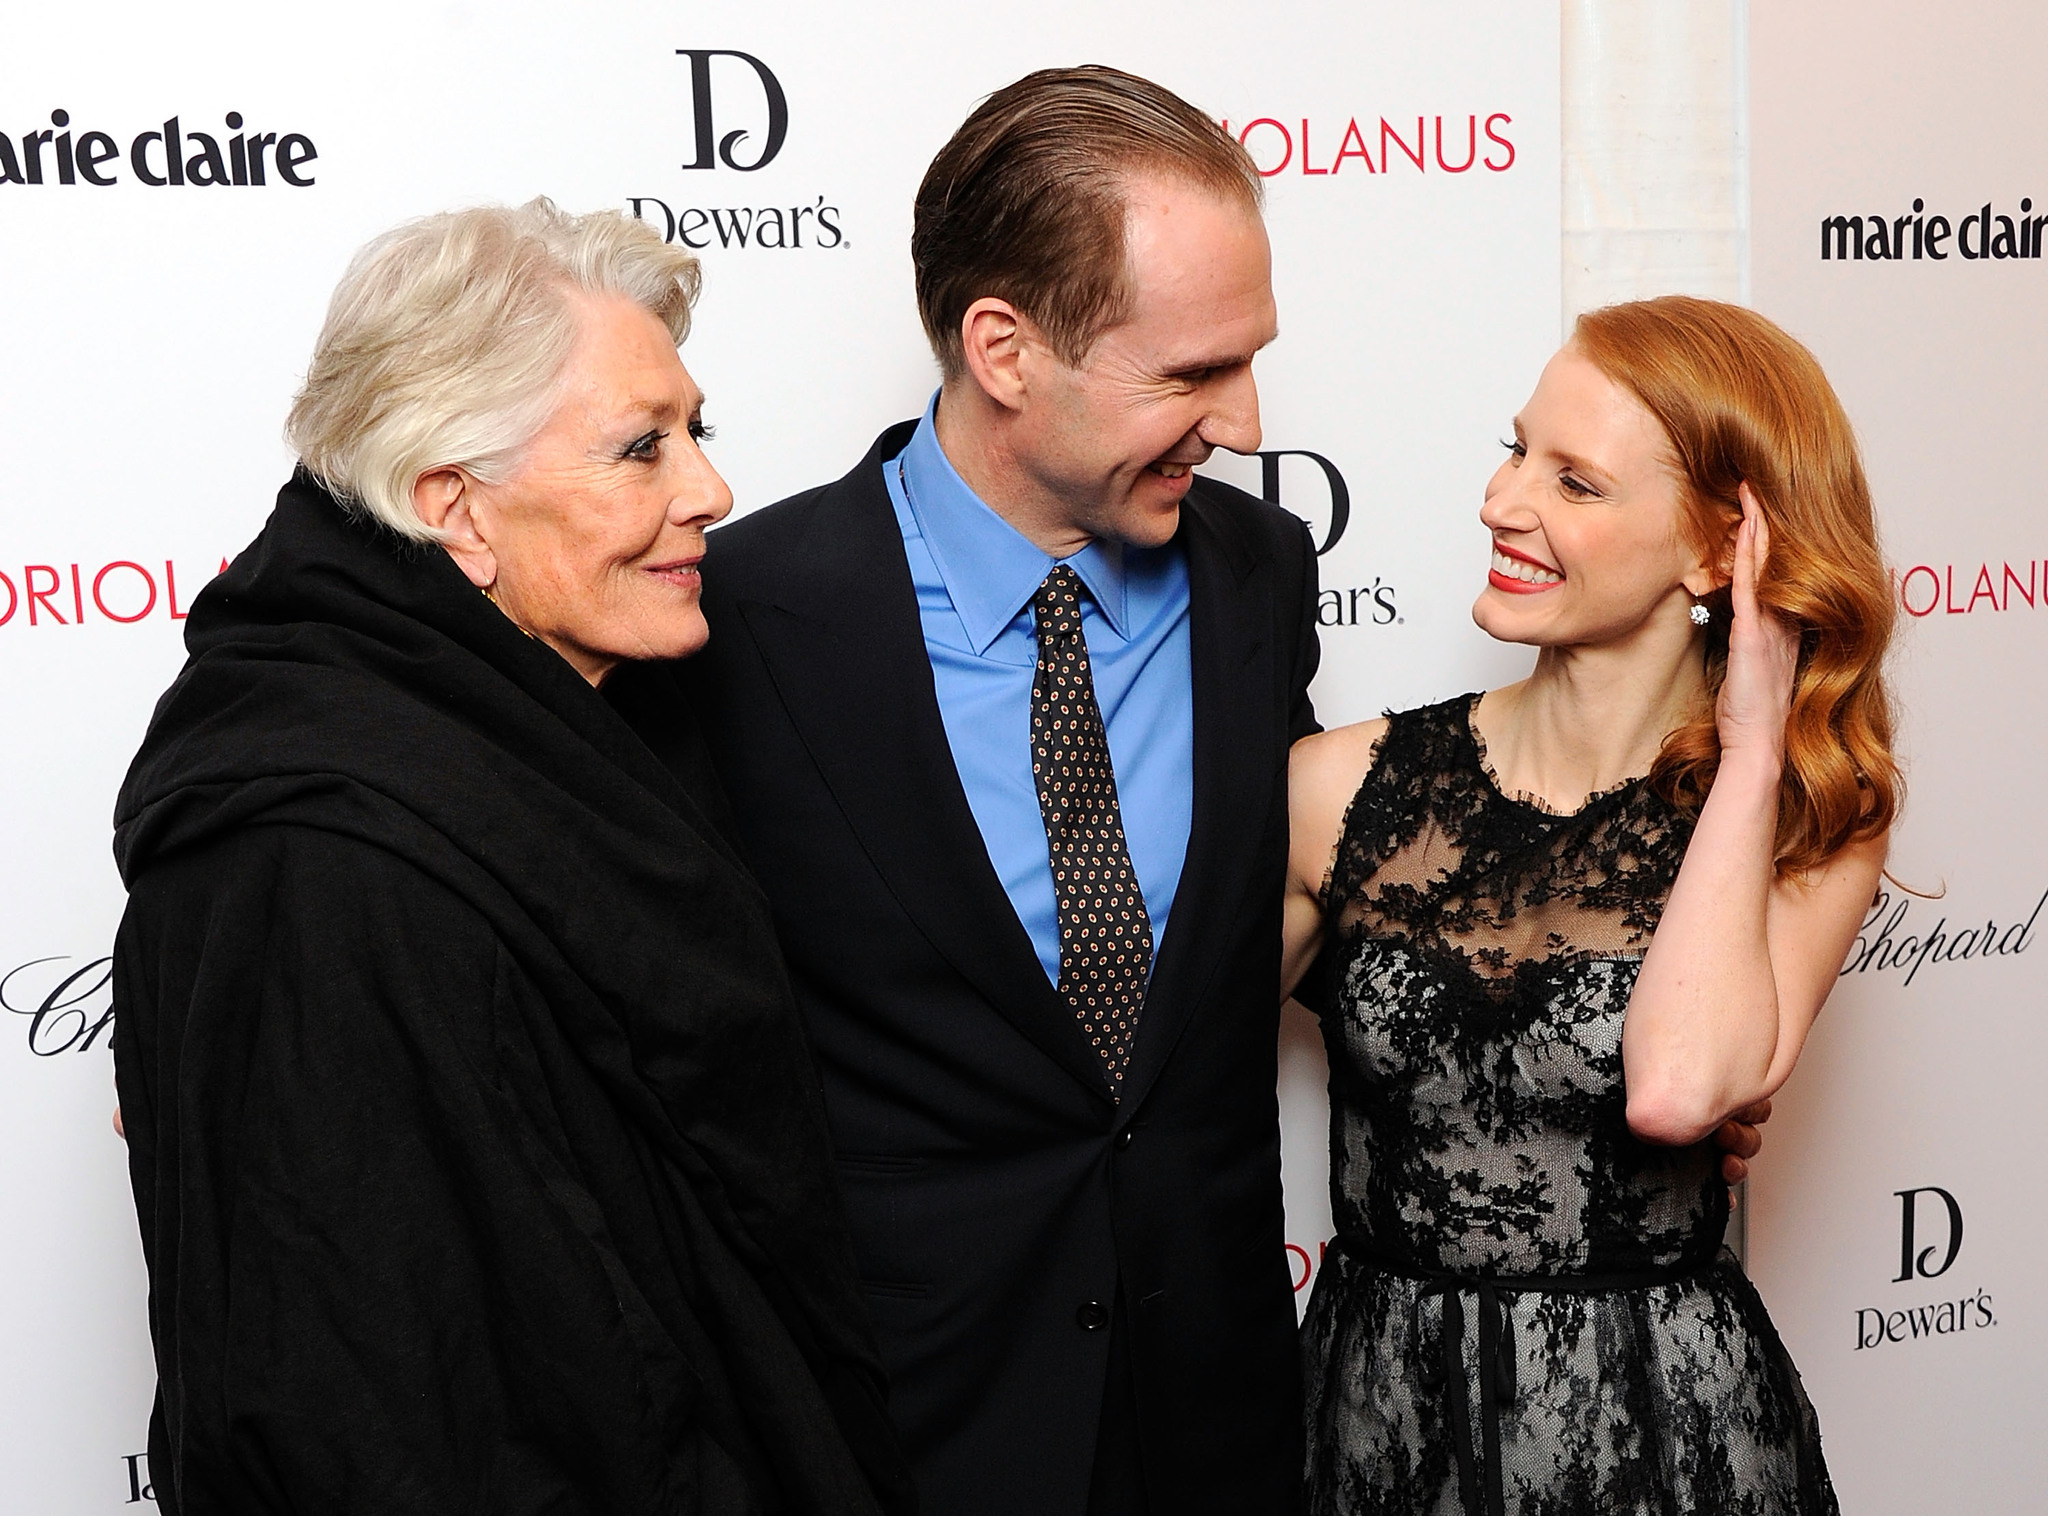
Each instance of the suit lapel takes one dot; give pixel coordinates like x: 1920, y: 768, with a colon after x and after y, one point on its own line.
x: 845, y: 647
x: 1231, y: 653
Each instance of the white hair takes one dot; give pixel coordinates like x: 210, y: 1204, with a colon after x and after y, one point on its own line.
x: 446, y: 338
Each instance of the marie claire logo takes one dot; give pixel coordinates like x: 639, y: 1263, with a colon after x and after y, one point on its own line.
x: 65, y: 1008
x: 1919, y: 237
x: 1924, y: 589
x: 1921, y: 1238
x: 163, y: 157
x: 811, y: 222
x: 1475, y: 142
x: 122, y: 591
x: 1889, y: 943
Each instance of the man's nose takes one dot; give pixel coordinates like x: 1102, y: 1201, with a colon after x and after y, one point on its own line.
x: 1232, y: 422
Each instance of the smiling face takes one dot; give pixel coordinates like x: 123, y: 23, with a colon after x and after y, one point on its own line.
x: 1114, y: 438
x: 1586, y: 519
x: 593, y: 543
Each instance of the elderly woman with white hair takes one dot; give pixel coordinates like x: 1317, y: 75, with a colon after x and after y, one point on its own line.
x: 479, y: 1159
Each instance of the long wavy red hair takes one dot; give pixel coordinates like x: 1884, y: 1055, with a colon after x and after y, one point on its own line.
x: 1742, y: 401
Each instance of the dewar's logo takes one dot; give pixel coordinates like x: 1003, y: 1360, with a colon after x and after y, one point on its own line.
x: 1930, y: 1241
x: 739, y: 116
x: 706, y: 117
x: 1310, y: 485
x: 139, y: 1487
x: 1912, y: 1257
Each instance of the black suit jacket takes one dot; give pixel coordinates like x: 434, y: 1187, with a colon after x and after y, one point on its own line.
x: 999, y: 1196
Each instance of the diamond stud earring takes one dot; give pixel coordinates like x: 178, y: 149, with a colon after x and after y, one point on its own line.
x: 1700, y: 614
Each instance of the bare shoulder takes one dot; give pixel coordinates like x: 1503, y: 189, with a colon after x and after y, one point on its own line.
x: 1845, y: 881
x: 1338, y: 759
x: 1324, y: 771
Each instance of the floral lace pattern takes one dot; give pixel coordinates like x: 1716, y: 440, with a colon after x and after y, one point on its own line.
x: 1483, y: 950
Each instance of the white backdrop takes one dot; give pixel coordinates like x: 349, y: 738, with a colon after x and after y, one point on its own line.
x: 1923, y: 1078
x: 155, y: 333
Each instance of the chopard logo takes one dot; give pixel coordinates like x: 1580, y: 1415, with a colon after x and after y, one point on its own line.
x: 1886, y: 944
x: 64, y: 1008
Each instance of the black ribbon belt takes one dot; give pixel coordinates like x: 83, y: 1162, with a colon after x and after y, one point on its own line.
x: 1480, y: 1486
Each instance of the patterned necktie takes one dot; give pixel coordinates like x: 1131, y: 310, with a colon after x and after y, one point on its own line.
x: 1105, y: 935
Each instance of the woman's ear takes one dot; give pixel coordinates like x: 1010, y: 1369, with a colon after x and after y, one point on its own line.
x: 1705, y: 575
x: 446, y: 500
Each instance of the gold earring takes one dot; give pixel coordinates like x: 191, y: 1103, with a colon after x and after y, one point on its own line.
x: 490, y: 593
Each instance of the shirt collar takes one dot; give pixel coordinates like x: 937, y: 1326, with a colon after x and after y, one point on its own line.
x: 990, y: 569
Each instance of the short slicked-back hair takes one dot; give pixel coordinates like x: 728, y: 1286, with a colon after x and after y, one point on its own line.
x: 1026, y: 203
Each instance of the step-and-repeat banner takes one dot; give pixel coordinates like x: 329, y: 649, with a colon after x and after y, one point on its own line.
x: 180, y: 188
x: 1899, y: 205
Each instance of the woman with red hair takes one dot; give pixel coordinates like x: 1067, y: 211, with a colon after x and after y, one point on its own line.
x: 1571, y: 927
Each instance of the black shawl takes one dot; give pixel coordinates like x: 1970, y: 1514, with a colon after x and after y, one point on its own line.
x: 479, y: 1156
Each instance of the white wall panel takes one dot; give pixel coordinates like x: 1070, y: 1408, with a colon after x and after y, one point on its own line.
x: 1924, y: 1073
x: 154, y: 335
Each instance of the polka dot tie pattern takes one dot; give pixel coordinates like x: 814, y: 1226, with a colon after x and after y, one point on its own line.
x: 1105, y: 935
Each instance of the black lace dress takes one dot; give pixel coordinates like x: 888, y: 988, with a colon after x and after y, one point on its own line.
x: 1525, y: 1310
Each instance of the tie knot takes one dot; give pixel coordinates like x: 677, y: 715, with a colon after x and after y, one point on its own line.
x: 1057, y: 603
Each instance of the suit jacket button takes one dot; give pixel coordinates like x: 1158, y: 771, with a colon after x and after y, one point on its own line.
x: 1092, y: 1317
x: 1123, y: 1138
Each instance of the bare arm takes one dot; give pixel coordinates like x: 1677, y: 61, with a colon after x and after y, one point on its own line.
x: 1742, y: 961
x: 1323, y: 773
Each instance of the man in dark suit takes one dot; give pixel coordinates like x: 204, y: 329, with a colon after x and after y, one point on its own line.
x: 1004, y: 716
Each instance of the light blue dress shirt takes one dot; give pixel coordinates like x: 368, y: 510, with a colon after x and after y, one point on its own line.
x: 975, y: 575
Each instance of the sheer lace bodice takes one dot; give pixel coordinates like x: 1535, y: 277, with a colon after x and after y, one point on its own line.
x: 1487, y: 948
x: 1481, y: 956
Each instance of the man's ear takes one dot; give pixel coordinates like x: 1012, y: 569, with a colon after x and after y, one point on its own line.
x: 446, y: 499
x: 993, y: 336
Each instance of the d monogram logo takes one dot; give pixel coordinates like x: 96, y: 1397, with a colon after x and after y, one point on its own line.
x: 712, y: 149
x: 1340, y: 493
x: 1911, y: 1263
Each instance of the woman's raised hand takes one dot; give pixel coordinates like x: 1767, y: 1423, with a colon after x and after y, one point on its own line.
x: 1763, y: 651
